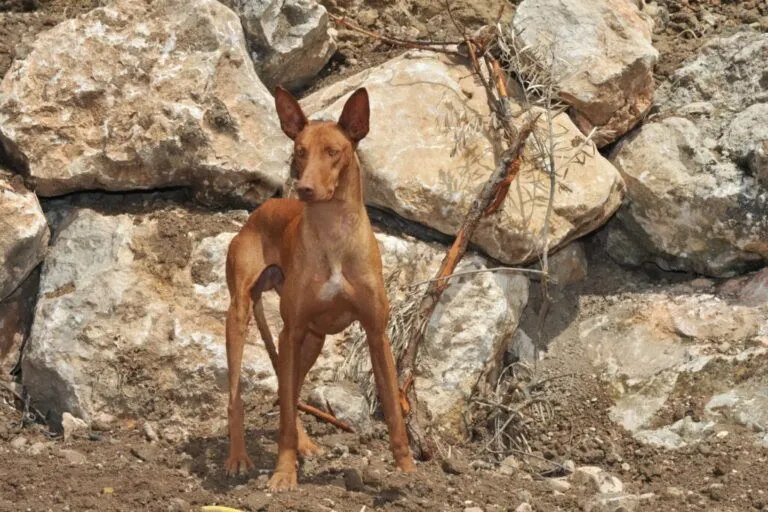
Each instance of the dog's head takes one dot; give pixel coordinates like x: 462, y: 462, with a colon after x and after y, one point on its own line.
x: 322, y: 150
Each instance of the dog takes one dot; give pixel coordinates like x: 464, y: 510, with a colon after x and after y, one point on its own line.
x: 320, y: 254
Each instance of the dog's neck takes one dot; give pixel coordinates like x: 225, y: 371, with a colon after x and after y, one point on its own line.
x: 341, y: 217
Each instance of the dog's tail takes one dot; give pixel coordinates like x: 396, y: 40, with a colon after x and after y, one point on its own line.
x: 266, y: 335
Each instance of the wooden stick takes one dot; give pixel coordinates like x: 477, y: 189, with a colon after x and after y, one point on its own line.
x: 423, y: 447
x: 440, y: 46
x: 332, y: 419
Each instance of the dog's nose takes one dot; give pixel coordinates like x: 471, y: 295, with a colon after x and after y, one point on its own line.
x: 305, y: 192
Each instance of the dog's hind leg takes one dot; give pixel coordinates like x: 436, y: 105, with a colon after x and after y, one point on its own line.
x: 242, y: 272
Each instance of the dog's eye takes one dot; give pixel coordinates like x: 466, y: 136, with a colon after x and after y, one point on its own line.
x: 300, y: 151
x: 332, y: 151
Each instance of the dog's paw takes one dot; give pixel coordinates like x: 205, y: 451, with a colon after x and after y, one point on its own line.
x: 238, y: 464
x: 308, y: 449
x: 283, y: 481
x: 406, y: 465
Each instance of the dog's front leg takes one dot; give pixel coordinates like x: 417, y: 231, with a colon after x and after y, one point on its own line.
x: 284, y: 477
x: 374, y: 320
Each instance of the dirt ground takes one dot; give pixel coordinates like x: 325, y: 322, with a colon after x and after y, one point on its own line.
x: 120, y: 469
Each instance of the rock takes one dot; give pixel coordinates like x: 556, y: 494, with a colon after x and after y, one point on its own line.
x: 353, y: 480
x: 290, y: 40
x: 466, y: 335
x: 524, y: 507
x: 616, y: 502
x: 597, y: 480
x: 697, y: 198
x: 19, y: 443
x: 755, y: 290
x: 72, y: 425
x: 604, y: 59
x: 74, y: 458
x: 569, y: 264
x: 647, y: 344
x: 144, y: 452
x: 415, y: 167
x: 16, y: 320
x: 104, y: 313
x: 347, y: 402
x: 150, y: 433
x: 473, y: 509
x: 37, y: 448
x: 522, y: 348
x: 23, y: 233
x: 144, y: 95
x: 680, y: 217
x: 558, y: 484
x: 509, y: 466
x: 178, y: 505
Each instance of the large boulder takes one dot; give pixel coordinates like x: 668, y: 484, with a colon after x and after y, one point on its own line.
x: 673, y: 351
x: 130, y: 317
x: 16, y: 312
x: 697, y: 198
x: 429, y: 151
x: 132, y: 306
x: 467, y: 335
x: 142, y: 95
x: 601, y: 58
x: 24, y: 233
x: 290, y: 40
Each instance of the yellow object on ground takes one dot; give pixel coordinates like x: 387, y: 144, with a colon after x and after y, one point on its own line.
x: 216, y: 508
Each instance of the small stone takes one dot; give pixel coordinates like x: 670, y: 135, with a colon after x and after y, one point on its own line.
x: 509, y: 466
x: 19, y: 443
x: 450, y: 467
x: 569, y: 466
x: 674, y: 492
x: 597, y: 479
x: 72, y: 425
x: 625, y: 466
x: 340, y: 451
x: 73, y: 457
x: 180, y: 505
x: 480, y: 464
x: 353, y: 480
x: 150, y: 433
x: 108, y: 490
x: 147, y: 453
x: 524, y: 507
x: 559, y: 484
x: 473, y: 509
x: 716, y: 492
x: 37, y: 448
x: 372, y: 477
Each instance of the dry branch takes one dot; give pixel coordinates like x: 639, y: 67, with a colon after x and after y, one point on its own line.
x: 442, y: 46
x: 407, y: 364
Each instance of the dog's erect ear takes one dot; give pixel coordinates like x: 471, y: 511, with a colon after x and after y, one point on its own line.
x: 292, y: 118
x: 354, y: 117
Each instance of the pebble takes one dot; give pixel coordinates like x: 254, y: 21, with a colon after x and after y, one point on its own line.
x: 558, y: 484
x: 509, y: 466
x: 37, y: 448
x: 19, y: 443
x: 73, y: 457
x: 674, y: 492
x: 473, y: 509
x: 150, y: 433
x: 179, y: 505
x: 524, y: 507
x: 147, y: 453
x: 71, y: 425
x: 353, y: 480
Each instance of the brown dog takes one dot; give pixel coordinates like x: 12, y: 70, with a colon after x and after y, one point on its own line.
x: 321, y: 256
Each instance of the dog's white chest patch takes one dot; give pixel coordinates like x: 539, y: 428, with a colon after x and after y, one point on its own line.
x: 333, y: 286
